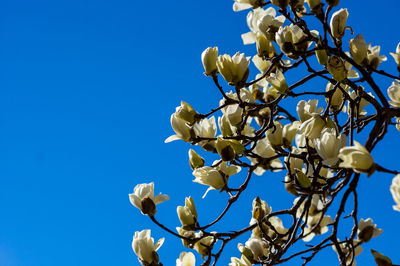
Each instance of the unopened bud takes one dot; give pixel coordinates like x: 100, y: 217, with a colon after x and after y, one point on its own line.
x: 358, y: 49
x: 195, y: 160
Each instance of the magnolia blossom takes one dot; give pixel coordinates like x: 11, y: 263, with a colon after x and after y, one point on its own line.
x: 274, y: 134
x: 312, y: 229
x: 233, y: 69
x: 202, y: 245
x: 187, y: 214
x: 143, y: 198
x: 367, y: 230
x: 234, y: 114
x: 240, y: 5
x: 265, y: 150
x: 264, y: 46
x: 356, y: 157
x: 293, y: 162
x: 337, y: 68
x: 338, y: 23
x: 395, y: 190
x: 312, y: 127
x: 358, y: 49
x: 261, y: 64
x: 260, y: 210
x: 381, y: 259
x: 181, y: 128
x: 258, y: 248
x: 347, y: 250
x: 277, y: 80
x: 291, y: 39
x: 329, y: 144
x: 186, y: 259
x: 306, y: 110
x: 337, y: 97
x: 289, y: 132
x: 374, y: 59
x: 144, y: 248
x: 361, y: 105
x: 396, y: 55
x: 269, y: 23
x: 215, y: 177
x: 205, y: 128
x: 394, y: 93
x: 225, y: 126
x: 240, y: 262
x: 195, y: 160
x: 209, y: 59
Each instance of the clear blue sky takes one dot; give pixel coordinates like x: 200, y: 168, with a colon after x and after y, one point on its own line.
x: 86, y: 92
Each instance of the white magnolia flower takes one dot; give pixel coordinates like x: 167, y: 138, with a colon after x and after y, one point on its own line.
x: 186, y: 112
x: 274, y: 134
x: 395, y: 190
x: 181, y: 128
x: 240, y: 262
x: 312, y: 127
x: 322, y: 228
x: 306, y: 110
x: 258, y: 247
x: 264, y: 46
x: 358, y: 49
x: 362, y: 104
x: 278, y: 81
x: 215, y: 177
x: 261, y: 64
x: 144, y: 248
x: 348, y: 251
x: 374, y: 59
x: 195, y: 160
x: 396, y: 55
x: 289, y: 132
x: 293, y: 162
x: 337, y: 97
x: 356, y: 157
x: 265, y: 150
x: 233, y: 69
x: 394, y: 93
x: 187, y: 214
x: 260, y: 209
x: 338, y: 23
x: 202, y: 245
x: 206, y: 128
x: 268, y: 24
x: 252, y: 21
x: 337, y: 68
x: 291, y: 39
x: 186, y: 259
x: 209, y: 59
x: 225, y: 126
x: 234, y: 114
x: 143, y: 198
x: 329, y: 144
x: 240, y: 5
x: 367, y: 230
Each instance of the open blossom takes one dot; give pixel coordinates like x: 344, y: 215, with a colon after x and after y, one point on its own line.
x: 256, y: 246
x: 329, y: 144
x: 202, y: 245
x: 265, y: 150
x: 205, y: 128
x: 144, y: 247
x: 356, y: 157
x: 186, y: 259
x: 215, y: 177
x: 234, y: 68
x: 292, y: 39
x: 348, y: 252
x: 312, y: 127
x: 240, y: 5
x: 367, y: 230
x: 395, y: 190
x: 253, y: 18
x: 278, y: 81
x: 394, y: 93
x: 374, y: 59
x: 243, y: 261
x: 209, y: 59
x: 143, y: 198
x: 338, y: 22
x: 312, y: 229
x: 306, y: 110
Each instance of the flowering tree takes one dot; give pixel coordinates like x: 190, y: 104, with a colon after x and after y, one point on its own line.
x: 316, y: 148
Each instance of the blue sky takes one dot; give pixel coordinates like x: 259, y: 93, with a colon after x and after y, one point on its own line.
x: 87, y: 90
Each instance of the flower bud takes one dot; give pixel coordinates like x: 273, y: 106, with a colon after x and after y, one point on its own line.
x: 260, y: 209
x: 187, y: 214
x: 322, y: 56
x: 280, y: 3
x: 233, y: 69
x: 144, y: 247
x: 302, y: 179
x: 143, y: 198
x: 338, y: 23
x: 328, y: 146
x: 367, y: 230
x: 358, y: 49
x: 337, y: 96
x: 209, y: 59
x: 395, y: 190
x: 186, y: 259
x: 202, y: 245
x: 195, y: 160
x: 181, y: 128
x: 225, y: 150
x: 356, y: 157
x: 336, y: 67
x: 396, y: 56
x: 186, y: 112
x: 381, y: 259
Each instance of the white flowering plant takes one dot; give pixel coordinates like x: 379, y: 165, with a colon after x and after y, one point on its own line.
x: 319, y: 150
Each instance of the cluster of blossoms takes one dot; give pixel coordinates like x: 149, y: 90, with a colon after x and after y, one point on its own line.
x: 253, y: 129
